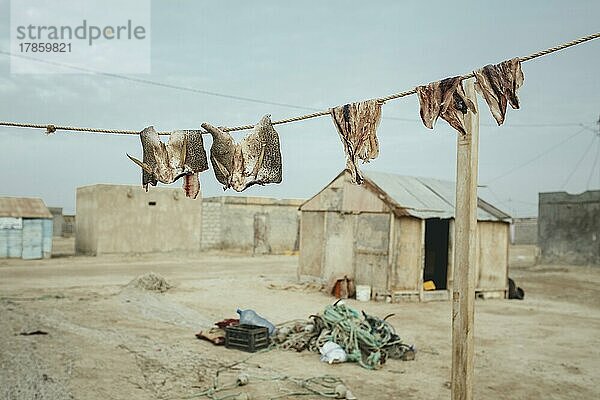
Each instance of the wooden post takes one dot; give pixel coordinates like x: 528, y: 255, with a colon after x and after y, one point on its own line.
x: 422, y: 252
x: 463, y: 292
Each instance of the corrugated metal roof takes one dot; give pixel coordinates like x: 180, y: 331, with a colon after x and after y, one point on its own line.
x: 23, y: 207
x: 426, y: 197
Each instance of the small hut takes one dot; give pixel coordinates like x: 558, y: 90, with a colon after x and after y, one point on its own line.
x: 393, y: 233
x: 25, y: 228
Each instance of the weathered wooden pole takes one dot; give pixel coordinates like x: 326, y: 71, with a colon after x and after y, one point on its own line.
x: 463, y: 291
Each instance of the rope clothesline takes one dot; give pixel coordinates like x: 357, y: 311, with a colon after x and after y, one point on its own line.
x: 50, y: 128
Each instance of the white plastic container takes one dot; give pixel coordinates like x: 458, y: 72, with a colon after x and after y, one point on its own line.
x: 363, y: 292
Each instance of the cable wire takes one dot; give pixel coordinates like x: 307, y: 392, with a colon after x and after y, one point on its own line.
x: 316, y: 114
x: 587, y: 184
x: 587, y: 150
x: 540, y: 155
x: 227, y: 96
x: 157, y: 83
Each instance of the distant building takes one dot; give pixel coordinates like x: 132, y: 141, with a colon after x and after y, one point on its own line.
x: 393, y: 233
x: 57, y: 220
x: 524, y: 231
x: 569, y: 227
x: 256, y: 225
x: 68, y: 226
x: 25, y: 228
x: 126, y: 219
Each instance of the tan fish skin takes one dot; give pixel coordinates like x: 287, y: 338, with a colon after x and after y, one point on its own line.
x: 499, y: 85
x: 256, y: 160
x: 446, y: 99
x: 221, y: 153
x: 187, y: 152
x: 357, y: 124
x: 182, y: 155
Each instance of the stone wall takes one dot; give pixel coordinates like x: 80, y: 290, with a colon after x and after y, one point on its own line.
x: 250, y: 224
x: 569, y: 227
x: 57, y: 220
x: 68, y: 226
x: 125, y: 219
x: 211, y: 224
x: 524, y: 231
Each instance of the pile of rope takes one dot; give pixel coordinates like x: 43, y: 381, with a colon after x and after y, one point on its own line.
x: 322, y: 386
x: 366, y: 339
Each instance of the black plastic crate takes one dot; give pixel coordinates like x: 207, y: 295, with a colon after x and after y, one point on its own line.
x: 250, y: 338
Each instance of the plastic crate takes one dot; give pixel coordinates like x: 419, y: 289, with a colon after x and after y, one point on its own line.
x: 250, y: 338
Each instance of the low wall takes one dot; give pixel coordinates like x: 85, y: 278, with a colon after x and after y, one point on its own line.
x: 569, y: 228
x: 250, y: 224
x: 126, y: 219
x: 523, y: 231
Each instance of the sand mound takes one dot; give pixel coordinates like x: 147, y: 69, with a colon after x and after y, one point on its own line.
x: 150, y: 281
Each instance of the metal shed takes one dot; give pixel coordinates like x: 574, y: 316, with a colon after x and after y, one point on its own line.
x: 25, y: 228
x: 395, y: 232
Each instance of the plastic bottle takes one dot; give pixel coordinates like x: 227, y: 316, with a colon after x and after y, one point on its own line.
x: 249, y: 317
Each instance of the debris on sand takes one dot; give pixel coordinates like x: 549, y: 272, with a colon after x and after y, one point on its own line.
x: 150, y: 281
x: 31, y: 333
x: 514, y: 291
x: 216, y: 334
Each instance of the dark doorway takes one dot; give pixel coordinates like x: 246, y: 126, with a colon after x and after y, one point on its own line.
x: 436, y: 251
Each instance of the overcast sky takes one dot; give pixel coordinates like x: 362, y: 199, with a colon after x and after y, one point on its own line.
x: 319, y: 54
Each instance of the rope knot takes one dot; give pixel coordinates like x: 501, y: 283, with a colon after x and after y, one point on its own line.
x: 50, y: 129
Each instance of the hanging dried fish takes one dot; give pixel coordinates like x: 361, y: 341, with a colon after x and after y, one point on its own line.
x: 183, y: 156
x: 446, y: 99
x: 357, y: 125
x: 190, y: 145
x: 221, y: 153
x: 256, y: 160
x: 499, y: 84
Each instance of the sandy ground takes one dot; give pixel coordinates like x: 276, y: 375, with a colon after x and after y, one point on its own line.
x: 108, y: 341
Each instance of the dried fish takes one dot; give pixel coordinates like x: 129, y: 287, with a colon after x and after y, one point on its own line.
x: 446, y: 99
x: 183, y: 156
x: 189, y: 143
x: 499, y: 85
x: 357, y: 125
x: 256, y: 160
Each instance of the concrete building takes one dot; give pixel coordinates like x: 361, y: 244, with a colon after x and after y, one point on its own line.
x: 68, y: 226
x: 255, y: 225
x: 569, y: 227
x: 25, y: 228
x: 523, y: 231
x: 393, y: 233
x: 126, y: 219
x: 57, y: 220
